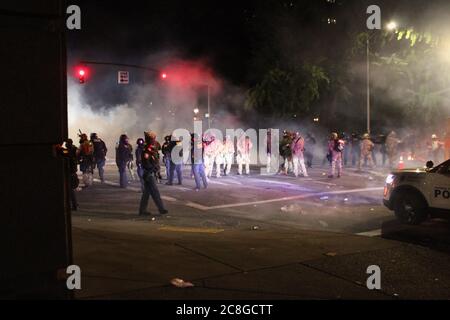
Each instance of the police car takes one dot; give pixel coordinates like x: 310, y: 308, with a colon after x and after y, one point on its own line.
x: 416, y: 194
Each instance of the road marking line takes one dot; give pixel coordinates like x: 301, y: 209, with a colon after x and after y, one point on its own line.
x: 324, y: 183
x: 372, y: 233
x: 170, y: 199
x: 167, y: 198
x: 234, y: 182
x: 219, y: 183
x: 276, y: 182
x: 196, y: 206
x: 303, y: 196
x: 191, y: 230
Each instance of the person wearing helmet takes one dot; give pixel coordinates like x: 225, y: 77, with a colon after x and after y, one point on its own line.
x: 392, y: 143
x: 366, y: 147
x: 336, y: 147
x: 166, y: 155
x: 298, y: 149
x: 124, y: 152
x: 176, y: 161
x: 140, y: 143
x: 86, y: 156
x: 285, y: 151
x: 100, y: 152
x: 150, y: 165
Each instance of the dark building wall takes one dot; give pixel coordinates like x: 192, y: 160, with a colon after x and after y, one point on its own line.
x: 34, y: 215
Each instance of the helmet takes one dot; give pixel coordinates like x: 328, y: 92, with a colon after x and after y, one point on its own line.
x: 434, y: 136
x: 366, y: 136
x: 94, y: 136
x: 334, y: 136
x: 123, y: 138
x: 83, y: 137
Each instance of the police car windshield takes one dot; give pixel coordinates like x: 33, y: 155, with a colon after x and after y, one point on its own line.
x: 443, y: 168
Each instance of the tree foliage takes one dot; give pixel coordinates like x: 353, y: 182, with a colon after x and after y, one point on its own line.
x: 287, y: 92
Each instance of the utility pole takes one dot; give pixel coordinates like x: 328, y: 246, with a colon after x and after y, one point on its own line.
x: 368, y: 84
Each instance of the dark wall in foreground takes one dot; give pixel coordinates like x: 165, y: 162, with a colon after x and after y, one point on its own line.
x: 34, y: 216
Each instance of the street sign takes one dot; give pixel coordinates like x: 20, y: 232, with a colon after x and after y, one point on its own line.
x: 123, y: 77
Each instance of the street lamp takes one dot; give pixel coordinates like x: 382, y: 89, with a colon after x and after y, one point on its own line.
x: 391, y: 26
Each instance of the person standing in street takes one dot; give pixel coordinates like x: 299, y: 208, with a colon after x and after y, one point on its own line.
x: 150, y: 165
x: 435, y: 147
x: 285, y: 151
x: 367, y: 147
x: 176, y: 165
x: 139, y: 169
x: 310, y: 141
x: 70, y: 152
x: 335, y: 150
x: 392, y: 143
x: 244, y: 151
x: 124, y: 152
x: 86, y: 158
x: 100, y: 152
x: 197, y: 160
x: 298, y: 149
x: 166, y: 155
x: 229, y: 151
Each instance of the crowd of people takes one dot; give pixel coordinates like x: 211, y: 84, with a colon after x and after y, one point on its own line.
x: 212, y: 156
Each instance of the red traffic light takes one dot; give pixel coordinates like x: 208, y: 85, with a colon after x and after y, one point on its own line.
x: 81, y: 74
x: 164, y: 75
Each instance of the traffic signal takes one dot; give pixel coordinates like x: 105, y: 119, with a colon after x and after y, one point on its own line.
x: 81, y: 74
x: 164, y: 75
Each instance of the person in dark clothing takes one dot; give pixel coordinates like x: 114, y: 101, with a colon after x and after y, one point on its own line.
x: 176, y: 165
x: 157, y: 147
x: 100, y: 152
x: 70, y: 152
x: 198, y: 166
x: 310, y: 142
x: 355, y: 148
x: 166, y: 155
x: 124, y: 152
x: 86, y: 158
x: 140, y: 170
x: 150, y: 165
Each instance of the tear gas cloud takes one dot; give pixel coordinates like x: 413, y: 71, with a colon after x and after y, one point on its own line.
x: 160, y: 105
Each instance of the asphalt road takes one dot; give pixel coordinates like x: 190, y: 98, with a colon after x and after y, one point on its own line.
x: 256, y: 237
x: 351, y: 205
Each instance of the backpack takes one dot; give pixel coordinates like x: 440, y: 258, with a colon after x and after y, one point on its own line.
x: 338, y: 146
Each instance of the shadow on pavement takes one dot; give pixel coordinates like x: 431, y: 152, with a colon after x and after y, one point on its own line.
x: 433, y: 234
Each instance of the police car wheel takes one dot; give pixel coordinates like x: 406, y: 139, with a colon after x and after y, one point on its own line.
x: 410, y: 209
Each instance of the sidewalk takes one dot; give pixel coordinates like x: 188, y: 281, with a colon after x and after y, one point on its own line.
x: 136, y: 259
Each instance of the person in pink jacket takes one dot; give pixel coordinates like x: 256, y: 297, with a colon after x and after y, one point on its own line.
x: 298, y: 149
